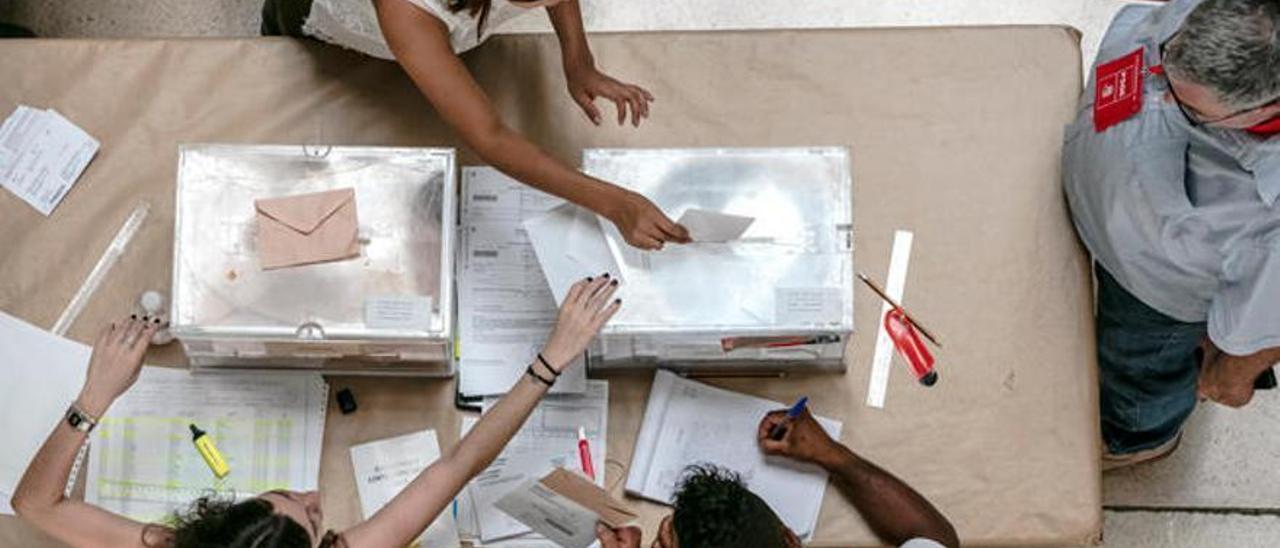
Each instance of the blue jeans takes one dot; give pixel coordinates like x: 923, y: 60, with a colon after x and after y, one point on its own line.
x: 1148, y: 364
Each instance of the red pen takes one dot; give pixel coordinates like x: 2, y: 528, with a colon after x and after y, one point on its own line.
x: 584, y: 454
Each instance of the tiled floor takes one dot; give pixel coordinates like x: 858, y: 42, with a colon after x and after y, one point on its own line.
x: 1219, y: 489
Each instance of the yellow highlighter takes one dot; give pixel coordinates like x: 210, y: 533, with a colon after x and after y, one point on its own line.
x: 210, y: 453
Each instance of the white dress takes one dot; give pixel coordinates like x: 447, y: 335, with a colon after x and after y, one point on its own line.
x: 353, y: 24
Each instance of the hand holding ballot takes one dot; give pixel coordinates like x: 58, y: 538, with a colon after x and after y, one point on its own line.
x: 643, y: 225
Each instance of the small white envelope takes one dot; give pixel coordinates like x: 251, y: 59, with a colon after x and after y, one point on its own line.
x: 570, y: 246
x: 712, y: 226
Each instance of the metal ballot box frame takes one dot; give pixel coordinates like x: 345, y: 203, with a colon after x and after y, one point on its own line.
x: 788, y: 279
x: 228, y: 312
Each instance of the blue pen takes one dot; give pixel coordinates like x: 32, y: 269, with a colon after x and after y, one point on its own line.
x: 780, y: 429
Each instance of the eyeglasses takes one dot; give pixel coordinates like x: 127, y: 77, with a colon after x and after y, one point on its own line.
x: 1197, y: 119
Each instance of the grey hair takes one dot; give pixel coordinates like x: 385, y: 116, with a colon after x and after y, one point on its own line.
x: 1231, y: 47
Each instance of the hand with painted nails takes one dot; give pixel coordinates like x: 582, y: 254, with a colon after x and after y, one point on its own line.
x: 587, y: 307
x: 116, y: 362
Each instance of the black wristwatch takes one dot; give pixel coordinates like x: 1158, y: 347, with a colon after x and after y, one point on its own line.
x: 79, y: 420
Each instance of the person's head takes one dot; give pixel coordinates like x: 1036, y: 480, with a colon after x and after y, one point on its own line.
x: 1224, y: 63
x: 480, y: 8
x: 714, y: 509
x: 275, y: 519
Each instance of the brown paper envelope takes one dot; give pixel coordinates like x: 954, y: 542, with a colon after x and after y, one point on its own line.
x: 307, y: 228
x: 576, y: 488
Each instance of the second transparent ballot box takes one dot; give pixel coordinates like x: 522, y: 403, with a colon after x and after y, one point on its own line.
x: 778, y: 296
x: 337, y: 259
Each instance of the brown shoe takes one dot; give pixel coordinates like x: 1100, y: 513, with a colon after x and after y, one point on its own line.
x: 1112, y: 462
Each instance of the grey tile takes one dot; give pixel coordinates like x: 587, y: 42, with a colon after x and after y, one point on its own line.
x: 1227, y: 459
x: 1189, y: 530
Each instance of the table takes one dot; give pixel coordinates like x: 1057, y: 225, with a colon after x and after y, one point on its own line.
x: 955, y: 132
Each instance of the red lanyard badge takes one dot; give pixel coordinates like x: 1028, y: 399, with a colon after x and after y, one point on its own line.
x: 1118, y: 93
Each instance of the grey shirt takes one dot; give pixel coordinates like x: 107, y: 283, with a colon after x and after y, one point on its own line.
x: 1183, y: 217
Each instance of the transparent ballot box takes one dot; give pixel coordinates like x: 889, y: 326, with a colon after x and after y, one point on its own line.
x: 385, y: 308
x: 778, y: 297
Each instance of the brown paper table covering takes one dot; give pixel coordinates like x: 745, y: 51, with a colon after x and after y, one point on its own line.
x: 955, y: 134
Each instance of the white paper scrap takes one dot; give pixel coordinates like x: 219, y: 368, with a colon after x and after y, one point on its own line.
x: 42, y: 154
x: 383, y: 468
x: 895, y: 285
x: 808, y: 305
x: 712, y: 226
x: 398, y: 312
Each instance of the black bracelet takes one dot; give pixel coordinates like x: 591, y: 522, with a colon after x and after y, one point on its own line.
x: 529, y: 371
x: 548, y: 366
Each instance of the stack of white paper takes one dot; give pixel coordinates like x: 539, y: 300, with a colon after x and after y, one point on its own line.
x: 383, y: 468
x: 506, y: 309
x: 42, y: 155
x: 687, y: 422
x: 43, y: 374
x: 548, y: 440
x: 268, y: 426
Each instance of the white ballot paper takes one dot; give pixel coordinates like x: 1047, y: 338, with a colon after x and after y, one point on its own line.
x: 687, y: 422
x: 548, y: 440
x: 43, y: 374
x: 571, y: 246
x: 565, y: 508
x: 505, y: 308
x: 42, y: 155
x: 383, y: 468
x: 712, y: 226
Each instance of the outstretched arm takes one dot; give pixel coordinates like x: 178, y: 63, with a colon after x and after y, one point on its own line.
x: 895, y: 511
x: 39, y: 498
x: 420, y: 43
x: 586, y: 308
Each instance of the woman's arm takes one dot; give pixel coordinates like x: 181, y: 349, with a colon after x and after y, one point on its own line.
x: 584, y: 80
x: 586, y: 308
x: 420, y: 43
x: 39, y: 499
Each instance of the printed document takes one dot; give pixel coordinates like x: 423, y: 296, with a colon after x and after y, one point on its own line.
x: 687, y: 422
x: 506, y: 310
x: 268, y: 426
x: 383, y: 468
x: 42, y: 154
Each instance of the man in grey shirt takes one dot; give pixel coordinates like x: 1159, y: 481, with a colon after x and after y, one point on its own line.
x: 1172, y: 174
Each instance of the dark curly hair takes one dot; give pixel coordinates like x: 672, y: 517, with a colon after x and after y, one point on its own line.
x: 213, y: 522
x: 714, y: 509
